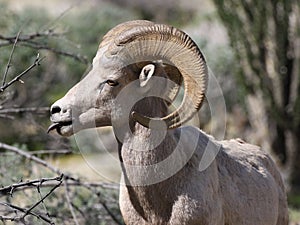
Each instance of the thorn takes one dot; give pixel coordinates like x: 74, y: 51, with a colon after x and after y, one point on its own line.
x: 61, y: 177
x: 36, y: 61
x: 11, y: 192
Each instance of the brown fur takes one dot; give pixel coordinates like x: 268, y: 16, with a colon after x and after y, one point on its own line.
x: 165, y: 184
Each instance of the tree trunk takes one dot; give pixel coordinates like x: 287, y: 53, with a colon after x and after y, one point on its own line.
x: 279, y: 144
x: 265, y: 36
x: 295, y: 163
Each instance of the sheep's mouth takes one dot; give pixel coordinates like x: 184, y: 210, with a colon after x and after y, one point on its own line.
x: 58, y: 125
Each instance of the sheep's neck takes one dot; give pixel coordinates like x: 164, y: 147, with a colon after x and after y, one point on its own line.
x: 142, y: 146
x: 142, y: 156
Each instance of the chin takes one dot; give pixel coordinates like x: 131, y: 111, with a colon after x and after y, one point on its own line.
x: 65, y: 131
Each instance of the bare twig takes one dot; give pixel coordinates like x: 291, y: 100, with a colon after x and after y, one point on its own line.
x: 110, y: 213
x: 28, y: 37
x: 7, y: 116
x: 75, y: 181
x: 23, y: 110
x: 10, y: 58
x: 11, y: 188
x: 52, y: 152
x: 68, y: 180
x: 38, y: 46
x: 50, y: 26
x: 79, y: 210
x: 31, y: 184
x: 28, y: 211
x: 70, y: 203
x: 18, y: 77
x: 30, y: 157
x: 38, y: 209
x: 4, y: 113
x: 28, y: 41
x: 23, y: 211
x: 43, y: 203
x: 103, y: 203
x: 8, y: 218
x: 36, y: 160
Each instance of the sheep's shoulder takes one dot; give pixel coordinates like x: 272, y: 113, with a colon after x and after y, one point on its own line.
x: 249, y: 180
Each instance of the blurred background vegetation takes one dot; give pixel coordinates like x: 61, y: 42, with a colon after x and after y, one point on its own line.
x: 252, y: 48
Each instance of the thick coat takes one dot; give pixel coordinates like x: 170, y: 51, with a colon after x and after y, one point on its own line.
x: 171, y: 174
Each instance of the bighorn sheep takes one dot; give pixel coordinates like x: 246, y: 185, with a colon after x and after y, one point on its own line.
x: 159, y: 157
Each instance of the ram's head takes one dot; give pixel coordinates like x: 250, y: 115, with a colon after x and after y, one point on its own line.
x: 134, y: 51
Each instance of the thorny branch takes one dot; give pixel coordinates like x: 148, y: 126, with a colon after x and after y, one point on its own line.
x: 5, y: 113
x: 28, y: 211
x: 38, y: 46
x: 10, y: 58
x: 30, y: 40
x: 67, y: 191
x: 54, y: 182
x: 34, y: 40
x: 8, y: 40
x: 46, y: 182
x: 52, y: 152
x: 37, y: 182
x: 19, y: 212
x: 18, y: 208
x: 18, y: 77
x: 23, y: 110
x: 30, y: 157
x: 37, y: 61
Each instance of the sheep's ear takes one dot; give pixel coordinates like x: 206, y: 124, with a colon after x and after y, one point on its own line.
x: 146, y: 74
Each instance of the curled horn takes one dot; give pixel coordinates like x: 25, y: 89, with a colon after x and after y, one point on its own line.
x: 151, y: 41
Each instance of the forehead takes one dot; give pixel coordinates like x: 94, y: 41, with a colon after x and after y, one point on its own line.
x: 104, y: 61
x: 111, y: 66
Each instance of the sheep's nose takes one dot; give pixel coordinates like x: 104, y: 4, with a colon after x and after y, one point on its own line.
x: 55, y: 109
x: 58, y: 110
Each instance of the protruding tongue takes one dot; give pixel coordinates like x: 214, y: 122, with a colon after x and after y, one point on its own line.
x: 52, y: 127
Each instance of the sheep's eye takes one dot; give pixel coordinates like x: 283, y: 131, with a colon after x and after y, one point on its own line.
x: 112, y: 82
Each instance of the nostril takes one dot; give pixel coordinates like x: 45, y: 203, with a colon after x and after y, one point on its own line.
x: 55, y: 109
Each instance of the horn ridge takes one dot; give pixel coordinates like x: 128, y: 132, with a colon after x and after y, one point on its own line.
x: 159, y: 41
